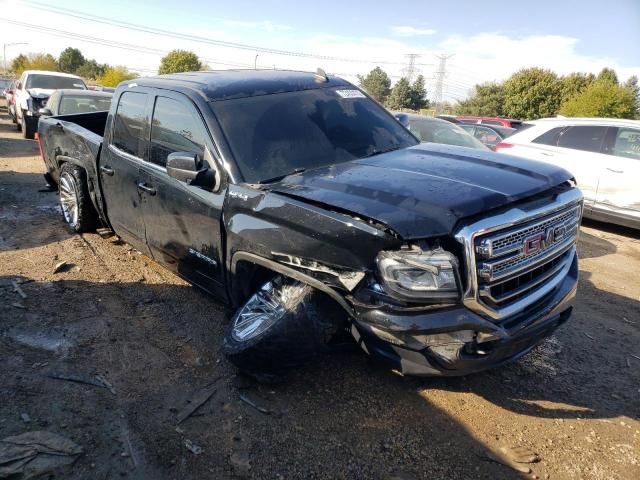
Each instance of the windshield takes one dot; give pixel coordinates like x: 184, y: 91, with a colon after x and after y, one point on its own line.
x: 272, y: 135
x: 54, y: 82
x: 83, y: 104
x: 442, y: 132
x: 4, y: 83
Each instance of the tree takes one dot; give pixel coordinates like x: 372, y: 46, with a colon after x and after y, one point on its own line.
x: 91, y: 69
x: 70, y: 60
x: 602, y: 99
x: 575, y: 83
x: 377, y: 84
x: 632, y: 85
x: 42, y: 61
x: 607, y: 75
x: 532, y: 93
x: 400, y: 96
x: 487, y: 100
x: 179, y: 61
x: 418, y: 94
x: 112, y: 76
x: 19, y: 64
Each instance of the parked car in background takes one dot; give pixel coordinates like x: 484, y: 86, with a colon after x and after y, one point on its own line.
x: 489, y: 135
x: 603, y: 154
x: 100, y: 88
x: 9, y: 96
x: 32, y: 92
x: 502, y: 122
x: 435, y: 130
x: 4, y: 84
x: 67, y: 102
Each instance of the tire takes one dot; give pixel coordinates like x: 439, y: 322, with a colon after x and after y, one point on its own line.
x: 300, y: 323
x: 77, y: 210
x: 18, y: 123
x: 28, y: 128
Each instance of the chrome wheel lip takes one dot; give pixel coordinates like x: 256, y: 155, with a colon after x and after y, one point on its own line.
x: 260, y: 312
x: 69, y: 199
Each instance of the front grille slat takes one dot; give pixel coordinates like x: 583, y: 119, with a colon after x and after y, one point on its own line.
x: 508, y: 271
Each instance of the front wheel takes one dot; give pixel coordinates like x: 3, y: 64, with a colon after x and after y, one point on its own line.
x: 28, y: 128
x: 75, y: 203
x: 282, y: 326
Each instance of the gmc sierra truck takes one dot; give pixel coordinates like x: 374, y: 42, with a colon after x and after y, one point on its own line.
x: 301, y: 202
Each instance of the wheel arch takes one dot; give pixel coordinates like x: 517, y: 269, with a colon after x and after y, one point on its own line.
x: 248, y: 270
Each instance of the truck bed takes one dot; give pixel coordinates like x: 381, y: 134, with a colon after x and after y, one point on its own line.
x: 76, y: 139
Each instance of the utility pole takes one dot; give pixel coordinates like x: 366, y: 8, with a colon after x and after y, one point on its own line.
x: 4, y: 53
x: 441, y: 73
x: 410, y: 69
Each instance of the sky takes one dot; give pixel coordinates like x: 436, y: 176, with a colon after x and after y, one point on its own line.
x: 484, y: 41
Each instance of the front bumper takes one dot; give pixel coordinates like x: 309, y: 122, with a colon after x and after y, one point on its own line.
x: 457, y: 341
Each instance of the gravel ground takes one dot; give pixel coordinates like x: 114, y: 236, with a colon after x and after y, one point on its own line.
x: 575, y: 401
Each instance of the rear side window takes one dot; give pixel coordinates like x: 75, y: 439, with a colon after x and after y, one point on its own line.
x: 175, y: 128
x: 627, y: 143
x: 550, y: 137
x: 582, y: 137
x: 129, y: 123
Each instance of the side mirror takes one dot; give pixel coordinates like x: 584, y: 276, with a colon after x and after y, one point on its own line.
x: 18, y: 86
x: 46, y: 111
x: 183, y: 166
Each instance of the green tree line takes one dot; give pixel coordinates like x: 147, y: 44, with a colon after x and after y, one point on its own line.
x: 403, y: 95
x: 536, y: 93
x: 71, y: 60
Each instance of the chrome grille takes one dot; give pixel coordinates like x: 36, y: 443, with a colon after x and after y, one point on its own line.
x: 507, y: 272
x: 518, y: 257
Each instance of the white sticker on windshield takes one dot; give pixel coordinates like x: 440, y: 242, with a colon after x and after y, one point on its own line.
x: 350, y: 93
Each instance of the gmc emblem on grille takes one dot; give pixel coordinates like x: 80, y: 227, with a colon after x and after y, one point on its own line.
x: 543, y: 240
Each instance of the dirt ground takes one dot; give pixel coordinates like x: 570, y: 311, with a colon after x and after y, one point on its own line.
x: 575, y: 401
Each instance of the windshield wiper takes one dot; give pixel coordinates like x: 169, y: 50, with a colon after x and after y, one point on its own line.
x: 375, y: 152
x: 280, y: 177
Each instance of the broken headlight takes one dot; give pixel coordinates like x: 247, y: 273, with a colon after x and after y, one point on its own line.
x: 416, y: 275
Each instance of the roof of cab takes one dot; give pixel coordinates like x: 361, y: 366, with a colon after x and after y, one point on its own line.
x: 53, y: 74
x: 230, y: 84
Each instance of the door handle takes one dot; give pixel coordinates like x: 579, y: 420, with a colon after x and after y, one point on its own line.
x: 614, y: 170
x: 107, y: 171
x: 146, y: 188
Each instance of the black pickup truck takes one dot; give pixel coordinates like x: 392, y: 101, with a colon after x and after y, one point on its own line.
x: 301, y: 202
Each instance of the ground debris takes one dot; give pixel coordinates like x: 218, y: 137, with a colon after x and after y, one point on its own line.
x: 33, y: 454
x: 105, y: 232
x: 59, y: 267
x: 97, y: 381
x: 18, y: 305
x: 515, y: 466
x: 25, y: 417
x: 251, y: 403
x: 18, y: 290
x: 192, y: 447
x: 199, y: 399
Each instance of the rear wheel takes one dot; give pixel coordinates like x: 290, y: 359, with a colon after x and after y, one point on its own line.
x: 77, y: 209
x: 282, y: 326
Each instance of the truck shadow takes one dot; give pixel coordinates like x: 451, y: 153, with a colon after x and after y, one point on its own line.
x: 158, y: 344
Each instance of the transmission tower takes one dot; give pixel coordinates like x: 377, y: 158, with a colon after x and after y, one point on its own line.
x: 441, y: 73
x: 410, y: 70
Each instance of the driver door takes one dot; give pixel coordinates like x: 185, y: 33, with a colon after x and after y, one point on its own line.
x: 183, y: 222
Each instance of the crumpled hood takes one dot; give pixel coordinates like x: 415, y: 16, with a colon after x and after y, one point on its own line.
x: 425, y: 190
x: 40, y: 92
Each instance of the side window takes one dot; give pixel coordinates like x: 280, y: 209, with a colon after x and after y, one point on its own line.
x: 550, y: 137
x: 627, y: 143
x: 583, y: 137
x: 486, y: 135
x: 175, y: 128
x: 129, y: 123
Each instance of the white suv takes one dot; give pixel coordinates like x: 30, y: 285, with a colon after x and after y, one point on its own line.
x: 603, y: 154
x: 32, y: 92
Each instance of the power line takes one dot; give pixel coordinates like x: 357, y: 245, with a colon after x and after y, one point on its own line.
x: 200, y: 39
x: 410, y: 69
x: 440, y: 75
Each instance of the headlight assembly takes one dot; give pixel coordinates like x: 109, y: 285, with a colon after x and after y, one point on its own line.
x: 416, y: 275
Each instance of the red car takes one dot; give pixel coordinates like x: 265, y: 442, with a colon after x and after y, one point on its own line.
x: 8, y: 92
x: 501, y: 122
